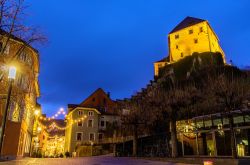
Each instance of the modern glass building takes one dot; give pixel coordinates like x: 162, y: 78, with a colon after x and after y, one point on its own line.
x: 210, y: 135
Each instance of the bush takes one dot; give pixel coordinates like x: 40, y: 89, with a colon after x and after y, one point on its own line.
x: 61, y: 155
x: 67, y: 154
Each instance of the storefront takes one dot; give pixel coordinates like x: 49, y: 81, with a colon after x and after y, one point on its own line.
x: 210, y: 135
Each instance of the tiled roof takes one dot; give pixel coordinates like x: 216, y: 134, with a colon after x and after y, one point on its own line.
x: 188, y: 21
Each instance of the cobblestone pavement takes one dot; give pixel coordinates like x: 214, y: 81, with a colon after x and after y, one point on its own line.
x: 97, y: 160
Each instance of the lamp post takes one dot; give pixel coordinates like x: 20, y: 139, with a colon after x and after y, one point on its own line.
x: 11, y: 77
x: 91, y: 143
x: 34, y: 133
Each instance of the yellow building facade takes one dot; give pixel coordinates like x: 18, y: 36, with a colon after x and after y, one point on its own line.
x: 192, y: 35
x: 83, y: 131
x: 54, y: 146
x: 25, y: 91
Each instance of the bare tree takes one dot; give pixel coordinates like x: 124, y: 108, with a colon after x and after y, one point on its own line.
x: 136, y: 118
x: 231, y: 90
x: 12, y: 26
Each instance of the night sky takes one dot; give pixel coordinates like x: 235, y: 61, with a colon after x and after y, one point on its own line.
x: 112, y: 44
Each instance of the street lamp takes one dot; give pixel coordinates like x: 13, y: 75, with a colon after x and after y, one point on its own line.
x: 37, y: 112
x: 11, y: 77
x: 39, y: 129
x: 91, y: 143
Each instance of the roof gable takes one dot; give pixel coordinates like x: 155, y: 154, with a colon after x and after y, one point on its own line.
x: 97, y: 99
x: 188, y: 21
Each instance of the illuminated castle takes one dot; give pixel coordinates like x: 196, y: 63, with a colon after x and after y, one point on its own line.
x: 190, y: 36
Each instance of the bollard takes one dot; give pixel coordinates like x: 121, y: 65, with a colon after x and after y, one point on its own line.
x: 208, y: 162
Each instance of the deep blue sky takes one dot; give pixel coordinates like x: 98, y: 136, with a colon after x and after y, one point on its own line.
x: 112, y: 44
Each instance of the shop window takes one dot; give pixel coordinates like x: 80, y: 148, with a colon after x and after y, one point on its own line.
x: 238, y: 119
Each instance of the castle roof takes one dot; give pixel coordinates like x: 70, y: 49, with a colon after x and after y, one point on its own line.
x: 188, y: 21
x: 162, y: 60
x: 165, y: 59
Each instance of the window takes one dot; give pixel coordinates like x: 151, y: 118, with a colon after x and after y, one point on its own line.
x: 21, y: 81
x: 191, y: 31
x: 176, y: 46
x: 201, y: 29
x: 159, y: 65
x: 90, y: 123
x: 23, y: 56
x: 79, y: 124
x: 79, y: 136
x: 91, y: 113
x: 102, y: 123
x: 195, y: 41
x: 93, y: 99
x: 80, y: 113
x: 104, y: 101
x: 7, y: 49
x: 91, y: 136
x: 181, y: 54
x: 176, y: 36
x: 100, y: 137
x: 1, y: 46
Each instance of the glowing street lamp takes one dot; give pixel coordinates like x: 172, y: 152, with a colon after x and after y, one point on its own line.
x: 11, y: 76
x: 37, y: 112
x: 39, y: 129
x: 91, y: 143
x: 12, y: 72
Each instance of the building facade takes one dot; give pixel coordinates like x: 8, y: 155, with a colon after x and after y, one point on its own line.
x: 192, y: 35
x: 54, y: 146
x: 209, y: 135
x: 87, y: 123
x: 48, y: 137
x: 25, y: 91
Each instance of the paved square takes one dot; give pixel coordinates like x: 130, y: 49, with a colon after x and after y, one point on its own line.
x: 97, y: 160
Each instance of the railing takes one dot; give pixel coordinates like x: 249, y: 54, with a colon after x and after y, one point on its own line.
x: 118, y: 139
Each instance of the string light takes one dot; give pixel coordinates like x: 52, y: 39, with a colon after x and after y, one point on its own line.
x: 59, y: 112
x: 54, y: 125
x: 71, y: 122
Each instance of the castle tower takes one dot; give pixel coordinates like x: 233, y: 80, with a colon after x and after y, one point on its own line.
x: 190, y: 36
